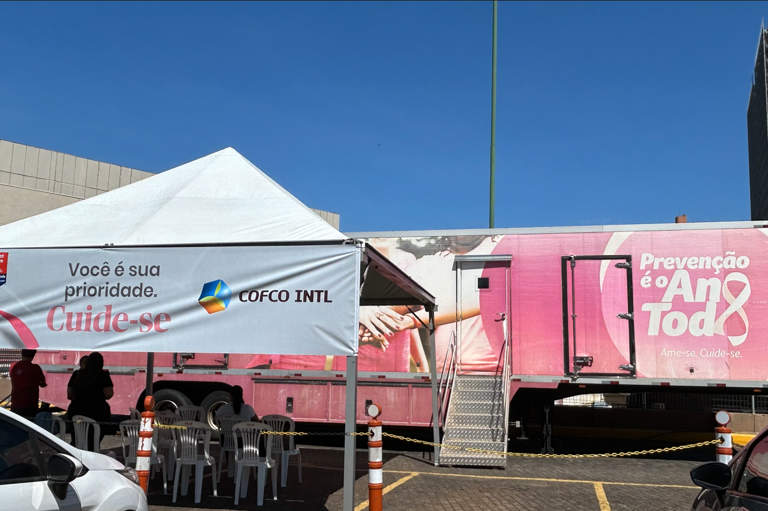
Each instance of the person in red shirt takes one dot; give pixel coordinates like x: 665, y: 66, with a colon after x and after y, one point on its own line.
x: 26, y: 380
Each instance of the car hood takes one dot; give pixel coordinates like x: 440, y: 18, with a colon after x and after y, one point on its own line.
x: 96, y: 461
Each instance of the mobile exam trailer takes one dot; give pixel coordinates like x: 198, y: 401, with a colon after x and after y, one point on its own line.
x: 554, y: 311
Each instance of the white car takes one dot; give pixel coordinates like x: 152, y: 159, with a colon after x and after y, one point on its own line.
x: 38, y: 471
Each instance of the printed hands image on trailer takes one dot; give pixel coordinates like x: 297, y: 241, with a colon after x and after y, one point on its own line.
x: 167, y: 264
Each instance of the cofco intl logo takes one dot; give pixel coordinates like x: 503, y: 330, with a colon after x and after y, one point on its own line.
x: 215, y: 296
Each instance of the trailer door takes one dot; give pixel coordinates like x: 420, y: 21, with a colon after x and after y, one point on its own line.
x: 598, y: 316
x: 483, y: 284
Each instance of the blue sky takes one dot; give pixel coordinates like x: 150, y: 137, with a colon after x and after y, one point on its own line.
x: 607, y: 112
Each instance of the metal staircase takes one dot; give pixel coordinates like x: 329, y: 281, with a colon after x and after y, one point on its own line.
x: 477, y: 418
x: 473, y: 408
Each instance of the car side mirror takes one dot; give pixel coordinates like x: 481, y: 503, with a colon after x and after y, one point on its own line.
x: 711, y: 476
x: 62, y: 470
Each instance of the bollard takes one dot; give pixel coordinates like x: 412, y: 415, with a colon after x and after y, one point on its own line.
x: 725, y: 450
x: 375, y: 460
x: 144, y: 451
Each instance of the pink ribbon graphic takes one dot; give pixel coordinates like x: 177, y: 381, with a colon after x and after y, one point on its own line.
x: 24, y: 333
x: 735, y: 305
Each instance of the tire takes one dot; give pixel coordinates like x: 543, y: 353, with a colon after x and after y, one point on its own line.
x: 169, y: 399
x: 211, y: 403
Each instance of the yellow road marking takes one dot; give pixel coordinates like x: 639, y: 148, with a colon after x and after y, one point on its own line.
x: 541, y: 479
x: 601, y: 498
x: 391, y: 487
x: 742, y: 438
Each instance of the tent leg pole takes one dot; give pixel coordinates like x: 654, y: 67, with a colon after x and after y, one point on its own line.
x: 150, y: 373
x: 433, y: 377
x: 350, y: 426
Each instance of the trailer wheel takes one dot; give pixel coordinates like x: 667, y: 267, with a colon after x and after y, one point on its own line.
x: 169, y: 399
x: 211, y: 404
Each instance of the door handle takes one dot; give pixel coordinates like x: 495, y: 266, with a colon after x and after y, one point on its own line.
x: 503, y: 319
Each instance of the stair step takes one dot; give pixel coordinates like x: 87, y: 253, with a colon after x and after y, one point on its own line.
x: 478, y: 444
x: 468, y: 420
x: 495, y: 392
x: 476, y: 407
x: 489, y: 383
x: 459, y: 457
x: 471, y: 460
x: 477, y: 395
x: 478, y: 434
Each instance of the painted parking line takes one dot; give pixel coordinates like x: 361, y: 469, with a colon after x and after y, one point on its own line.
x: 542, y: 479
x: 601, y: 498
x: 742, y: 438
x: 364, y: 505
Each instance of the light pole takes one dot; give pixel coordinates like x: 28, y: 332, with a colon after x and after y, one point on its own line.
x: 493, y: 124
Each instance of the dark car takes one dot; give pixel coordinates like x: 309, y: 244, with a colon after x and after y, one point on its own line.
x: 740, y: 485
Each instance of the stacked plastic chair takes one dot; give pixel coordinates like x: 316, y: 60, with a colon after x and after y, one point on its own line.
x: 283, y: 423
x: 227, y: 442
x: 165, y: 442
x: 188, y: 455
x: 247, y: 455
x: 129, y: 434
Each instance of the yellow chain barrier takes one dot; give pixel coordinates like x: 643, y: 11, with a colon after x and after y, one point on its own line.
x: 281, y: 433
x: 485, y: 451
x: 528, y: 455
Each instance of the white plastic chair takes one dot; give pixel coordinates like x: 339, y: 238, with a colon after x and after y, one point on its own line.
x: 227, y: 442
x: 279, y: 423
x: 135, y: 414
x: 246, y: 436
x: 59, y: 427
x: 165, y: 442
x: 84, y: 427
x: 44, y: 420
x: 52, y: 423
x: 129, y: 435
x: 188, y: 455
x: 191, y: 413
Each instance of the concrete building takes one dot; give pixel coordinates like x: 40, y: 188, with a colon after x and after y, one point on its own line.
x: 757, y: 134
x: 34, y: 180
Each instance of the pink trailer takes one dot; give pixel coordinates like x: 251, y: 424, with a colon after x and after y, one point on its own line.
x: 554, y: 311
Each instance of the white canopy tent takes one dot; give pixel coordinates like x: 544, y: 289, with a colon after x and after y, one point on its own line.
x: 218, y: 215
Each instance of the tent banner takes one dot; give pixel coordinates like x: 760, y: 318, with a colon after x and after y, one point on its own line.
x: 292, y: 300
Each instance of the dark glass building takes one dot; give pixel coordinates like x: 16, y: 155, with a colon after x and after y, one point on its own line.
x: 757, y: 134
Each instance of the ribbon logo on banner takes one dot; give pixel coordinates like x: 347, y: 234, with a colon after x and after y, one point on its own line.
x: 24, y: 333
x: 735, y: 305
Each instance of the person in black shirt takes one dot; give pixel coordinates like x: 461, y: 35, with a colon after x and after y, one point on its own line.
x: 73, y: 378
x: 90, y: 388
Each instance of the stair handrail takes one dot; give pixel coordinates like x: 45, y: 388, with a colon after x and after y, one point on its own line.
x: 445, y: 384
x: 505, y: 381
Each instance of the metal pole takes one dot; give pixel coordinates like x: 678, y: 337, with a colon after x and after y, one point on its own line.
x: 459, y: 318
x: 493, y: 124
x: 350, y: 424
x: 433, y: 377
x: 150, y: 373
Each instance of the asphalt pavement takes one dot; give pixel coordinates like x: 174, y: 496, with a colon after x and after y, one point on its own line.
x: 413, y: 482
